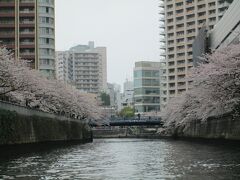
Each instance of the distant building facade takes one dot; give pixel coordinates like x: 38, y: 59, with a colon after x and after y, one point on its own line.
x: 146, y: 86
x: 63, y: 66
x: 28, y: 28
x: 83, y: 66
x: 114, y: 91
x: 127, y: 96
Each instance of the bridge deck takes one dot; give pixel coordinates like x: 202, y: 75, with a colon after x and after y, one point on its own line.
x: 131, y: 122
x: 135, y: 123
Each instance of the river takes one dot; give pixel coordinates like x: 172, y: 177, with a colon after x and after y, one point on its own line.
x: 127, y: 159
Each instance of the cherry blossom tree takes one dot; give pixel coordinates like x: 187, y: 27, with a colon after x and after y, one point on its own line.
x: 12, y: 73
x: 215, y: 89
x: 28, y: 87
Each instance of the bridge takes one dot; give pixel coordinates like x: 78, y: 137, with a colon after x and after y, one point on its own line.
x: 145, y: 121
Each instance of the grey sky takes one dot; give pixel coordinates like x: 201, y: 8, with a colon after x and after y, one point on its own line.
x: 128, y: 28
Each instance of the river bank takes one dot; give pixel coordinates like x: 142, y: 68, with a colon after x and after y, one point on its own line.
x: 223, y: 127
x: 20, y: 125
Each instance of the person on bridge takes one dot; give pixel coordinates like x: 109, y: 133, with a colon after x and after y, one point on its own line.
x: 139, y: 115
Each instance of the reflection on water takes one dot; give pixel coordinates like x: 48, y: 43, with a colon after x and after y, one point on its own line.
x: 127, y: 159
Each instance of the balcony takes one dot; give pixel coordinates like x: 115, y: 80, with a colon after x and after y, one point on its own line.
x: 27, y: 24
x: 27, y: 34
x: 170, y: 38
x: 171, y: 45
x: 27, y: 4
x: 7, y: 35
x: 161, y: 5
x: 171, y: 80
x: 190, y: 12
x: 191, y: 34
x: 7, y: 4
x: 202, y: 17
x: 181, y: 51
x: 7, y: 24
x: 162, y: 19
x: 163, y: 47
x: 169, y: 2
x: 170, y: 16
x: 180, y: 36
x: 179, y: 7
x: 9, y: 45
x: 27, y: 45
x: 27, y: 14
x: 180, y: 21
x: 181, y: 65
x: 171, y: 72
x: 180, y: 43
x: 180, y: 28
x: 191, y: 19
x: 27, y: 55
x: 190, y: 49
x: 180, y: 14
x: 190, y: 4
x: 181, y: 72
x: 181, y: 86
x: 7, y: 14
x: 170, y: 23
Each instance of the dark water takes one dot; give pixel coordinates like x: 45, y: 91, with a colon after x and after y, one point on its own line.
x: 127, y: 159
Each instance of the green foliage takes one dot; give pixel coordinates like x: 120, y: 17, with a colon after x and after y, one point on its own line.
x: 127, y: 112
x: 105, y: 99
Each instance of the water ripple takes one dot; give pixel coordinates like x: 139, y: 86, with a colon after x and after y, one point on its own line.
x: 134, y: 159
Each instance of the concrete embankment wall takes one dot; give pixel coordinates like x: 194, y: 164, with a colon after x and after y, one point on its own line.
x: 222, y: 127
x: 20, y: 125
x: 108, y: 133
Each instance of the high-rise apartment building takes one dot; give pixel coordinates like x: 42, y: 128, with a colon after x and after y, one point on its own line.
x: 27, y: 28
x: 146, y: 86
x: 83, y: 66
x: 181, y: 21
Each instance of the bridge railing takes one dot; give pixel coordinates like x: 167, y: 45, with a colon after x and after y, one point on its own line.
x: 118, y: 121
x: 143, y: 118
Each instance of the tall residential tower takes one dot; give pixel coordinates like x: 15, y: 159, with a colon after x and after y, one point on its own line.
x: 181, y: 21
x: 27, y: 27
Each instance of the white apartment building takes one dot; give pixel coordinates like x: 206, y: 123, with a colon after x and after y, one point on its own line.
x: 128, y: 93
x: 84, y: 67
x: 114, y: 91
x: 180, y: 22
x: 62, y: 60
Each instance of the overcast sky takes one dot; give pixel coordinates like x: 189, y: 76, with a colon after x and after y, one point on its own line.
x: 128, y: 28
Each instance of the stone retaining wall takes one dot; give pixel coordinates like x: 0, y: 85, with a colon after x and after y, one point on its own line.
x: 222, y: 127
x: 19, y: 125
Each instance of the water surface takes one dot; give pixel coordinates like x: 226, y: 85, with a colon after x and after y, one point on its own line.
x: 133, y: 159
